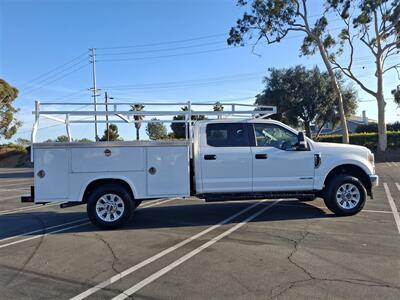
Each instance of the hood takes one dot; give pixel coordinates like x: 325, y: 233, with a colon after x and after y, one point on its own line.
x: 335, y: 147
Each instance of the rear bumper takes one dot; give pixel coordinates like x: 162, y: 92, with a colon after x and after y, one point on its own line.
x: 29, y: 198
x: 374, y: 180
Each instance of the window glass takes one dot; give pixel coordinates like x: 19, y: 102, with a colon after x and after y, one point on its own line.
x: 271, y: 135
x: 227, y: 135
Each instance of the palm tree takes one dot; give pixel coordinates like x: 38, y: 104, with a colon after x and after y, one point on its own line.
x: 218, y: 107
x: 138, y: 119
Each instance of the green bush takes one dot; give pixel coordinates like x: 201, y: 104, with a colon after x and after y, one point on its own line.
x: 373, y: 127
x: 16, y: 147
x: 369, y: 140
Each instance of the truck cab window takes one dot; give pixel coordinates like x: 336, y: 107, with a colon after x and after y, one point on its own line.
x: 271, y: 135
x: 227, y: 135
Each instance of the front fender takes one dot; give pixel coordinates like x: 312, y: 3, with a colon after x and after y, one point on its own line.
x: 330, y: 163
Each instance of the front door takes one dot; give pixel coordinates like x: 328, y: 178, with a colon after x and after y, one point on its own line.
x: 277, y: 165
x: 226, y: 159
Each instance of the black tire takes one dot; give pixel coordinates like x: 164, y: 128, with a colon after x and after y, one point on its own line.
x: 306, y: 198
x: 344, y: 205
x: 121, y: 194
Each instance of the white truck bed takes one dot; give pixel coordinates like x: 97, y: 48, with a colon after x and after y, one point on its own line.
x: 70, y: 167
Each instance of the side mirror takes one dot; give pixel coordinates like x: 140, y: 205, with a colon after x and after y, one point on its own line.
x: 302, y: 141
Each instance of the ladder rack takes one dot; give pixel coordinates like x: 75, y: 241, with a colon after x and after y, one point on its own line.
x: 119, y: 112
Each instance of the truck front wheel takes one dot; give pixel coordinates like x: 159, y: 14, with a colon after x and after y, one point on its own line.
x: 110, y: 206
x: 345, y: 195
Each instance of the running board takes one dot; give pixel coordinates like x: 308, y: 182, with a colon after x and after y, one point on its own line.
x: 253, y: 196
x: 70, y: 204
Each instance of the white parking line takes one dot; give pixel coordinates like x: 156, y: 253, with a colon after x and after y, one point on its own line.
x: 161, y: 254
x: 13, y: 171
x: 59, y: 230
x: 10, y: 197
x: 12, y: 190
x: 396, y: 164
x: 392, y: 206
x: 16, y: 180
x: 189, y: 255
x: 31, y: 207
x: 323, y: 207
x: 157, y: 203
x: 43, y: 235
x: 388, y: 164
x: 398, y: 186
x: 6, y: 186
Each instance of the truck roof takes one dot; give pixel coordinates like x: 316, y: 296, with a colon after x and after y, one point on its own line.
x: 238, y: 120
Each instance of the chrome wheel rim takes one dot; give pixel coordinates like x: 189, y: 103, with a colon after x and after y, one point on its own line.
x: 348, y: 196
x: 110, y: 207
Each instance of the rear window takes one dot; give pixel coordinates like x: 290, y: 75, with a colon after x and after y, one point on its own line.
x: 227, y: 135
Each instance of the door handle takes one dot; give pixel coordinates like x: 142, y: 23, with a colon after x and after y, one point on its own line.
x: 210, y: 157
x: 261, y: 156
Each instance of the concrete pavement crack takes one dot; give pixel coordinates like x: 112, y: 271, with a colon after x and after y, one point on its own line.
x: 311, y: 277
x: 30, y: 257
x: 115, y: 258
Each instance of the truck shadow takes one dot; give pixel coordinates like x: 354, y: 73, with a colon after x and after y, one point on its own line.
x: 174, y: 216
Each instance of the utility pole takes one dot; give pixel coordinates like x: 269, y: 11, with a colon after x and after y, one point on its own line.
x: 94, y: 89
x: 106, y: 101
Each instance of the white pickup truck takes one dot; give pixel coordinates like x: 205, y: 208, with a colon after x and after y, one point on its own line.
x: 231, y: 159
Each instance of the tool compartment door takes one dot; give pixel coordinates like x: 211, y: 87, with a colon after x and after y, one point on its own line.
x: 52, y: 165
x: 168, y: 171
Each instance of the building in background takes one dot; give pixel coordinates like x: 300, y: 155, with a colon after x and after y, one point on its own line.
x: 352, y: 123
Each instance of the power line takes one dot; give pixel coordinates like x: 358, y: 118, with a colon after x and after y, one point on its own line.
x: 50, y: 77
x: 235, y: 76
x: 56, y: 79
x: 54, y: 69
x: 165, y: 43
x: 160, y: 50
x: 166, y: 56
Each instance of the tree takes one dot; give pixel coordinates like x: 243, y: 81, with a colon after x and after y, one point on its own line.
x: 273, y: 20
x: 62, y: 139
x: 8, y: 123
x: 111, y: 133
x: 156, y: 130
x: 84, y: 140
x: 396, y: 95
x: 138, y: 119
x: 218, y: 107
x: 179, y: 128
x: 23, y: 142
x: 304, y: 96
x: 375, y: 24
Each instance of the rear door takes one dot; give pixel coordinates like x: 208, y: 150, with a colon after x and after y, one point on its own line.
x: 226, y: 159
x: 277, y: 165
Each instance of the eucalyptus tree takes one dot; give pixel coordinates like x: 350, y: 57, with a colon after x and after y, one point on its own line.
x: 273, y: 20
x: 375, y: 26
x: 8, y: 123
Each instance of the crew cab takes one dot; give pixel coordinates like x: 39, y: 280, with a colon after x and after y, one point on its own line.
x: 224, y: 159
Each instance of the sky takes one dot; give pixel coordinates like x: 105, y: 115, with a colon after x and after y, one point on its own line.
x: 147, y: 50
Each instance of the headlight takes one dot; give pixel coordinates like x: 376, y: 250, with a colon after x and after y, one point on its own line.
x: 371, y: 158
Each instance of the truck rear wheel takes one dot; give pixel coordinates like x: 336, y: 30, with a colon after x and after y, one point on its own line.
x: 110, y: 206
x: 345, y: 195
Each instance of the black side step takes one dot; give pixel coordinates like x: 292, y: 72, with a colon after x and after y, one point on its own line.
x: 253, y: 196
x: 70, y: 204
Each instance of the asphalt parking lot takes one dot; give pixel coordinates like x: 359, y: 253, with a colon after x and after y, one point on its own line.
x: 188, y: 249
